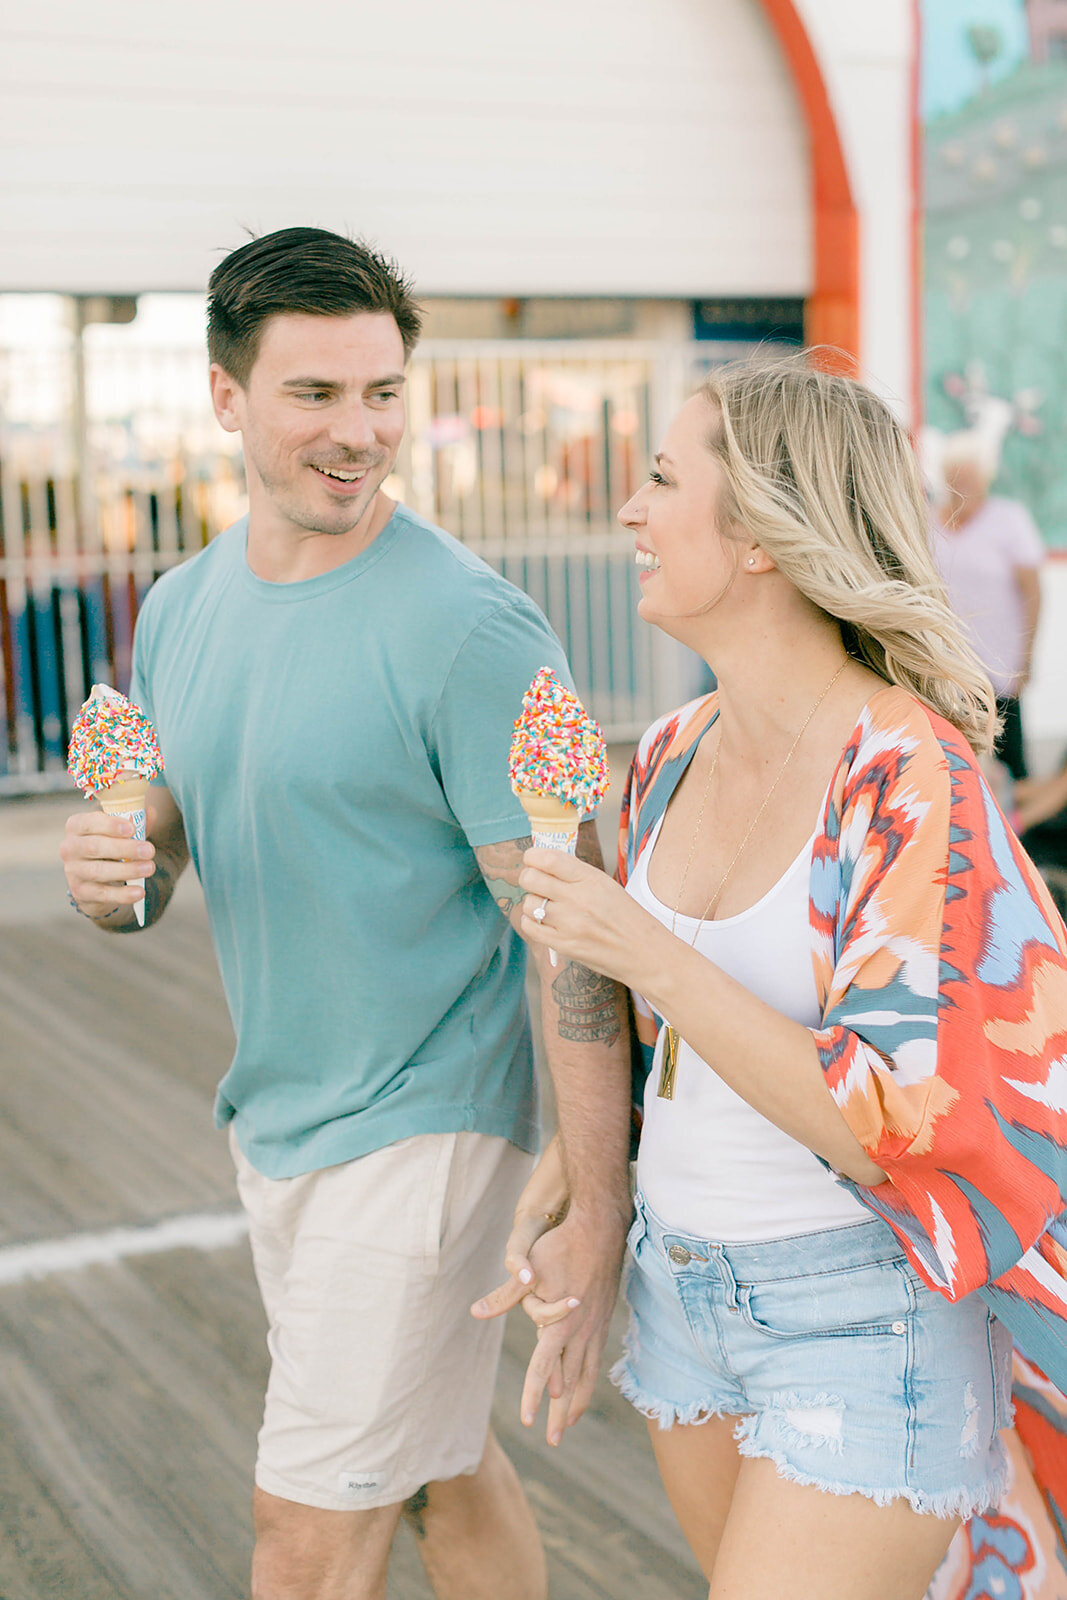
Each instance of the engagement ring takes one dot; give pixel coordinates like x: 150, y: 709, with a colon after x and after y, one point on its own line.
x: 541, y: 912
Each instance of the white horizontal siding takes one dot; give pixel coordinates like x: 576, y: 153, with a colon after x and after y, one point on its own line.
x: 865, y: 54
x: 576, y: 147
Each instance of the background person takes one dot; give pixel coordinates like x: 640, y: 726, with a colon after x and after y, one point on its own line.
x: 829, y: 1205
x: 334, y: 682
x: 989, y: 553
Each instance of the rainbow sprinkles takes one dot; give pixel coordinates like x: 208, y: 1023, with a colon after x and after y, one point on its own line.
x: 111, y: 736
x: 557, y: 748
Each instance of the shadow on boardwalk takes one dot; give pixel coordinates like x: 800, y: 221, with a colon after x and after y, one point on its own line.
x: 130, y: 1388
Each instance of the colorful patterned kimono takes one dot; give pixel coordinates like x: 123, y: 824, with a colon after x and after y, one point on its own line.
x: 941, y: 969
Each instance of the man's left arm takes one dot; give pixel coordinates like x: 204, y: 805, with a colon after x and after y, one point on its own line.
x: 586, y: 1041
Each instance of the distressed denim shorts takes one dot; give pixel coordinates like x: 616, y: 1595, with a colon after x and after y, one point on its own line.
x: 842, y: 1367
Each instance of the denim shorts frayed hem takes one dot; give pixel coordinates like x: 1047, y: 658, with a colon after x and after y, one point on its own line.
x: 663, y: 1412
x: 962, y: 1503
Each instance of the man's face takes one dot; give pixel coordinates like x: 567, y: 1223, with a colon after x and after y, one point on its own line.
x: 322, y: 417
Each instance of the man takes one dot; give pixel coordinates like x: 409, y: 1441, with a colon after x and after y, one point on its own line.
x: 990, y: 553
x: 334, y: 682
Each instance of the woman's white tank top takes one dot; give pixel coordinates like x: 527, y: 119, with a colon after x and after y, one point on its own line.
x: 709, y: 1164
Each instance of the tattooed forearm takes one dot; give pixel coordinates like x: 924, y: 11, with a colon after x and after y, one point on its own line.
x: 588, y: 1005
x: 500, y: 867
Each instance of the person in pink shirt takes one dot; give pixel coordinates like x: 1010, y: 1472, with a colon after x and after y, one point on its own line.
x: 989, y: 553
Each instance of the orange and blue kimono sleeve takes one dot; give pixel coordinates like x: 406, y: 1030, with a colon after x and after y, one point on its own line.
x: 942, y: 969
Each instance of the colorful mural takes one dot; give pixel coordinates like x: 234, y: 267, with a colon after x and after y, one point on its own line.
x: 995, y: 241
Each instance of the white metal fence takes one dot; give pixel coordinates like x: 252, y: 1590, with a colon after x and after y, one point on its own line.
x: 112, y: 469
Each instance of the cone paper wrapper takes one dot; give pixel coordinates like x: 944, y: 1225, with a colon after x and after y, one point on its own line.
x: 554, y: 838
x: 127, y: 799
x: 554, y: 826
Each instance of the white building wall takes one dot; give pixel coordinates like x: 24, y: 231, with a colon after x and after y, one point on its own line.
x: 865, y: 51
x: 605, y: 147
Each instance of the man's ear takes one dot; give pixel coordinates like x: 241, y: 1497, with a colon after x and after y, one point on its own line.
x: 225, y: 394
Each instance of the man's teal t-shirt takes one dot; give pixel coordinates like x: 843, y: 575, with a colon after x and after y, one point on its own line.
x: 336, y: 747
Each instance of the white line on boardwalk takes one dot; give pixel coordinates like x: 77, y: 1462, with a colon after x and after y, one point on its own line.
x: 208, y: 1230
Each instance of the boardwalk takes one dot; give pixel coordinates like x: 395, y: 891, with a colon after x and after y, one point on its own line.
x: 131, y: 1383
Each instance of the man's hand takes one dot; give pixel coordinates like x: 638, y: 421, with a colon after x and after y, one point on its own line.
x: 99, y: 855
x: 579, y: 1260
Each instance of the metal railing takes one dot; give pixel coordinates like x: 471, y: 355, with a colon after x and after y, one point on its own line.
x: 113, y: 469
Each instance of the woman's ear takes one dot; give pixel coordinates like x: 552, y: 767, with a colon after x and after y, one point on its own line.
x: 756, y: 560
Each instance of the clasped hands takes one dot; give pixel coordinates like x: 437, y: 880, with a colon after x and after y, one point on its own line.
x: 542, y: 1254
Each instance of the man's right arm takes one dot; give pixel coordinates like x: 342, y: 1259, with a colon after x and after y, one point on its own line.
x: 99, y: 856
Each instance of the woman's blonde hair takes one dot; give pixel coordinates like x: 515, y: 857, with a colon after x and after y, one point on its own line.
x: 823, y: 477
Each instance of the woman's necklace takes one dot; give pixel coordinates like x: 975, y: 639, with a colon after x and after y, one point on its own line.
x: 670, y: 1044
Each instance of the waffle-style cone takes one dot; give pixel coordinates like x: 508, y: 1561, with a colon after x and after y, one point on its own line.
x: 126, y: 798
x: 551, y: 818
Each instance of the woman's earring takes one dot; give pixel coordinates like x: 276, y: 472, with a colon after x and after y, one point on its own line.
x: 752, y: 561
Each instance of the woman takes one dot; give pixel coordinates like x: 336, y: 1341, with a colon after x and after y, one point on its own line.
x: 857, y: 990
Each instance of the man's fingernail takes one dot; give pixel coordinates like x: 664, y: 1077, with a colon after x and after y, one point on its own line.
x: 526, y: 1276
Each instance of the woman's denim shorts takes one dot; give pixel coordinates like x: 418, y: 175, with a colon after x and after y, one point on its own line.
x: 845, y: 1370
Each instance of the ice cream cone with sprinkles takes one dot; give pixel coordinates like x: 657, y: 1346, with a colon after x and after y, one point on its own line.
x: 113, y: 756
x: 558, y: 764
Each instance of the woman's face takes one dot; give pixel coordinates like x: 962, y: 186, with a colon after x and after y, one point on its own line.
x: 685, y: 565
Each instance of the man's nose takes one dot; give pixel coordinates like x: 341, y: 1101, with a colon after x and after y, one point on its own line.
x: 353, y: 426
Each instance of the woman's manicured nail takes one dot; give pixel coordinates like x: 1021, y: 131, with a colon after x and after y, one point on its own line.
x: 574, y: 1304
x: 527, y: 1419
x: 526, y: 1276
x: 479, y: 1308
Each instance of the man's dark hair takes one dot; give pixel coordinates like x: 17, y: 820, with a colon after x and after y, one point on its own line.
x: 300, y: 270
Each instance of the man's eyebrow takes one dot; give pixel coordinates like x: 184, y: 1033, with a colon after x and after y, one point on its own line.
x: 391, y: 381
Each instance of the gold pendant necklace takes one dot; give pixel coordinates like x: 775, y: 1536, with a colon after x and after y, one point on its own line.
x: 669, y: 1064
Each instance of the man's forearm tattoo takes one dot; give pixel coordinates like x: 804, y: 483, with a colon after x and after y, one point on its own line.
x: 497, y: 859
x: 588, y: 1005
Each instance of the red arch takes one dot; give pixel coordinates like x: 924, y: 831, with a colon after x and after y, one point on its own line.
x: 832, y: 310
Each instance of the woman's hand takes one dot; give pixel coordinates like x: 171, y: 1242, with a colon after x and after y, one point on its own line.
x: 587, y: 916
x: 541, y: 1206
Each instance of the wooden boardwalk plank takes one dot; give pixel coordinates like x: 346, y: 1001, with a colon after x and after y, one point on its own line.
x: 110, y: 1061
x: 129, y: 1403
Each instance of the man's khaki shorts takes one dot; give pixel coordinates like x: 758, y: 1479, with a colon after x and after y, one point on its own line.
x: 381, y: 1380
